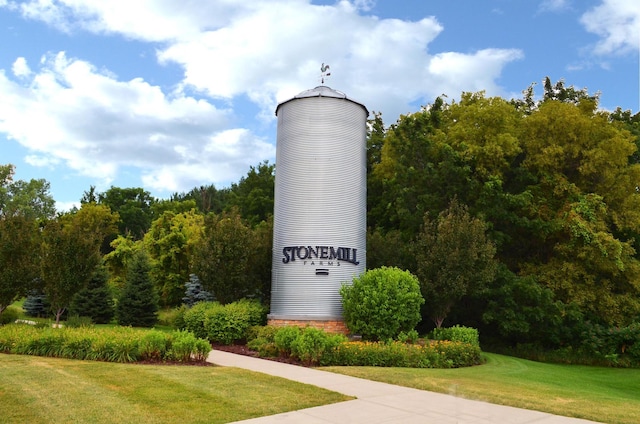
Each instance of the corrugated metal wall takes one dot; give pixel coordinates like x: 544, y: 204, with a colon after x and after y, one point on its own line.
x: 320, y: 203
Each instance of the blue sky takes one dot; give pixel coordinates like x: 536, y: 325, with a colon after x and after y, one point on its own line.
x: 170, y: 95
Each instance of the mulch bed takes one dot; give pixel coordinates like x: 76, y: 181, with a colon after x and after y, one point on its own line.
x: 240, y: 349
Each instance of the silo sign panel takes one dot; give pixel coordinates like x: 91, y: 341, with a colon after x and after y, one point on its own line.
x: 320, y: 203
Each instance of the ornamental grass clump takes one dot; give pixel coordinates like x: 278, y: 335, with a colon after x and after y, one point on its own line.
x: 119, y: 344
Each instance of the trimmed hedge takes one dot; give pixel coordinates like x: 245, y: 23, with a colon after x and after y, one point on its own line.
x: 315, y: 347
x: 119, y: 344
x: 438, y: 354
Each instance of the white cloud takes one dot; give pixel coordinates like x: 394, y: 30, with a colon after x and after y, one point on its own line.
x: 20, y: 67
x: 617, y: 22
x: 68, y: 112
x: 270, y: 50
x: 265, y: 51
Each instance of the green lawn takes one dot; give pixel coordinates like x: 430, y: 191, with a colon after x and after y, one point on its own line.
x: 608, y: 395
x: 45, y: 390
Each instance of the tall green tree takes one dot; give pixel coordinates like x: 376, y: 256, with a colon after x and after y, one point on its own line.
x: 133, y: 205
x: 19, y: 257
x: 71, y: 253
x: 454, y: 259
x: 222, y: 257
x: 170, y: 242
x: 587, y: 196
x: 254, y: 194
x: 95, y: 300
x: 138, y: 302
x: 27, y: 198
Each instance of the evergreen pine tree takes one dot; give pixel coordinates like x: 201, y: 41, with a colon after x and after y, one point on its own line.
x: 194, y: 292
x: 138, y: 303
x: 95, y: 300
x: 36, y: 304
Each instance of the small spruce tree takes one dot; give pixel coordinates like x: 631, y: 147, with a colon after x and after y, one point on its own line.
x: 36, y: 304
x: 138, y: 302
x: 194, y: 292
x: 95, y: 300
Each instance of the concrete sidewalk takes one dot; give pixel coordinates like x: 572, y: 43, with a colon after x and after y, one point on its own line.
x: 380, y: 402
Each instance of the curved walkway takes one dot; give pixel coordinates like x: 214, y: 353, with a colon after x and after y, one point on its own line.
x: 381, y: 402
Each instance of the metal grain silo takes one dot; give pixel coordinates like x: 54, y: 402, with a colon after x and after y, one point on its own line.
x: 320, y: 205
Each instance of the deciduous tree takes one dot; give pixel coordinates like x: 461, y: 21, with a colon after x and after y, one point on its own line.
x: 454, y: 259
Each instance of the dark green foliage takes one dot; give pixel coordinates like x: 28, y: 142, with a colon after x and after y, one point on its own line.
x: 138, y: 302
x: 194, y: 292
x: 9, y: 315
x: 76, y: 321
x: 226, y: 258
x: 254, y: 194
x: 312, y: 344
x: 133, y: 205
x: 284, y: 338
x: 454, y: 259
x: 616, y: 344
x: 457, y: 334
x: 36, y: 304
x: 224, y: 324
x: 381, y: 303
x: 95, y: 300
x: 19, y: 256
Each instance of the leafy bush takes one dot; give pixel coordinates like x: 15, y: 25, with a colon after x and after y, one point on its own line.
x: 194, y: 318
x: 153, y: 346
x: 284, y: 338
x: 9, y: 315
x: 457, y: 334
x: 440, y: 354
x: 186, y: 347
x: 616, y: 345
x: 408, y: 337
x: 312, y: 343
x: 381, y: 303
x: 262, y: 340
x: 226, y: 324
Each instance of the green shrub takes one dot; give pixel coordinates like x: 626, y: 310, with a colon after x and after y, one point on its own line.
x: 153, y: 346
x: 176, y: 318
x: 262, y: 340
x: 381, y: 303
x: 75, y: 321
x: 284, y: 338
x: 312, y: 343
x: 186, y: 347
x: 9, y: 315
x: 457, y: 334
x: 408, y: 337
x: 226, y: 324
x: 439, y: 354
x: 194, y: 318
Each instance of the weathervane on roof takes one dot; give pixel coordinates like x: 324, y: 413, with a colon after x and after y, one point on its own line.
x: 324, y: 68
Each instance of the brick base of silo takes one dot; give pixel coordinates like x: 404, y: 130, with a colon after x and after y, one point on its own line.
x: 330, y: 326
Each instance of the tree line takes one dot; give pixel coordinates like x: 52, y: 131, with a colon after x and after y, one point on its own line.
x: 519, y: 217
